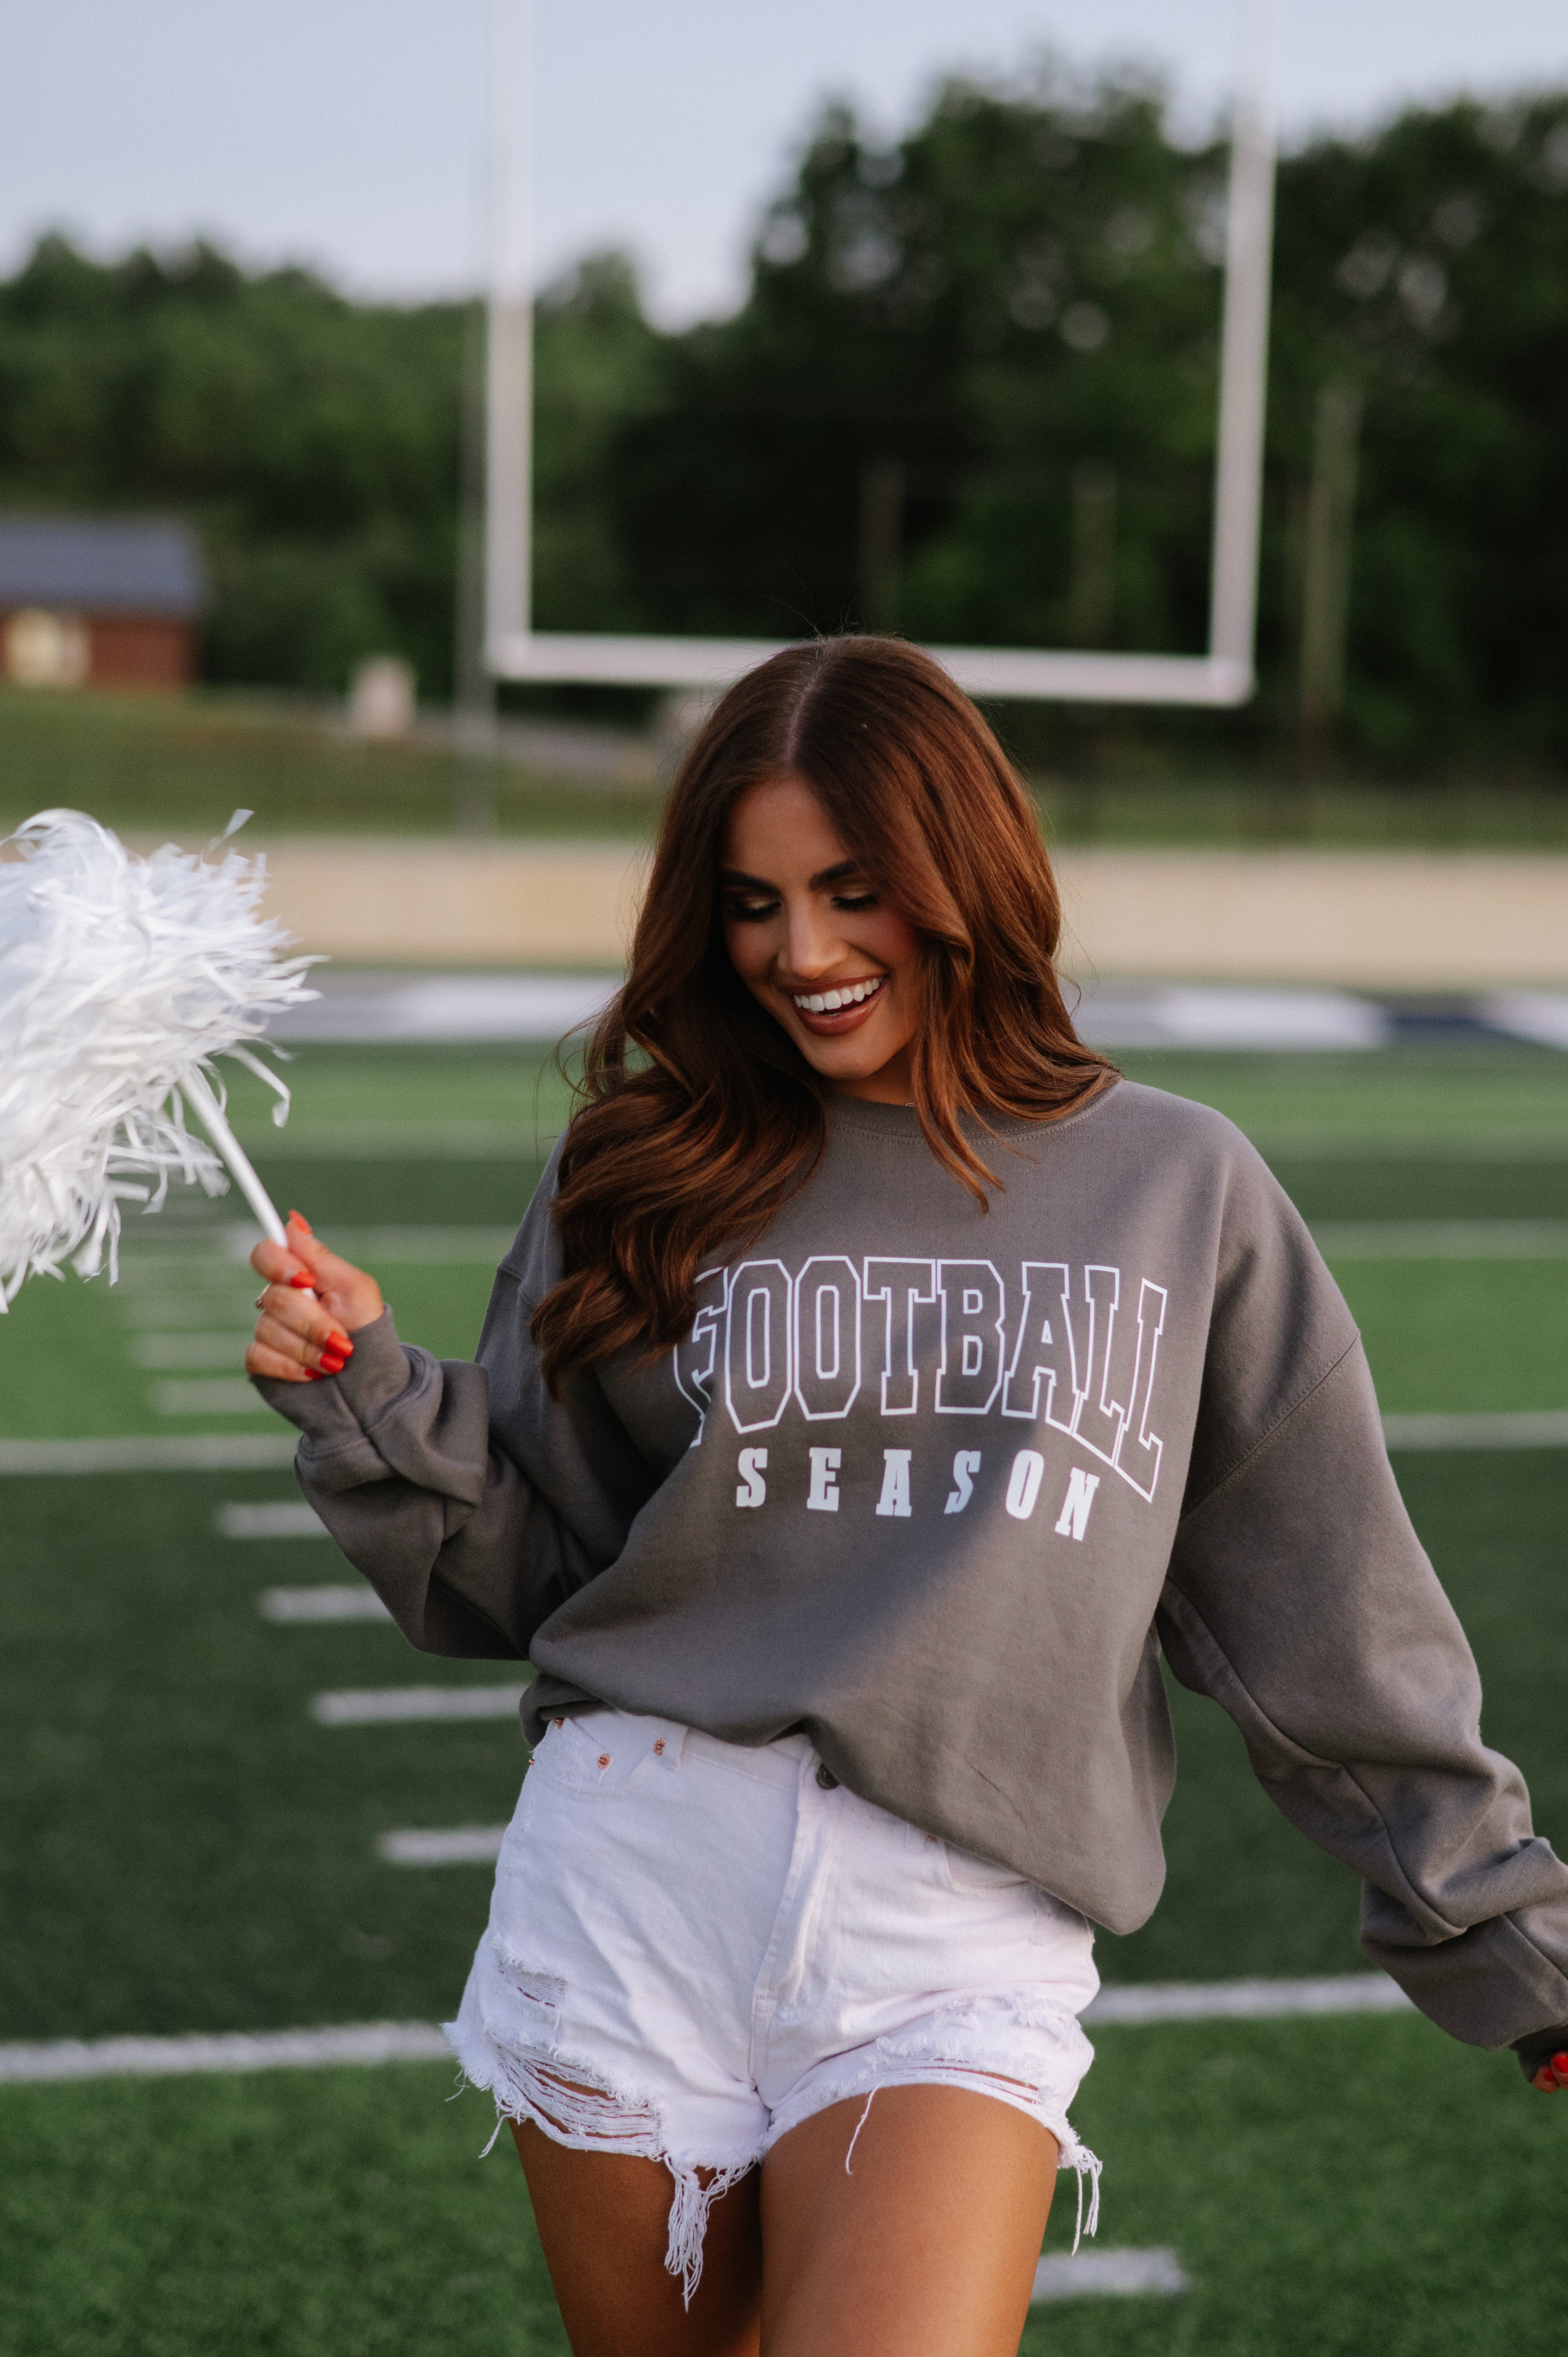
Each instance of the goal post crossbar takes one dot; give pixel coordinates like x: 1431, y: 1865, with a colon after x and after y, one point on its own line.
x: 1223, y: 676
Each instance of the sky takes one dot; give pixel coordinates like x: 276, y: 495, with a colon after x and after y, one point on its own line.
x: 350, y: 134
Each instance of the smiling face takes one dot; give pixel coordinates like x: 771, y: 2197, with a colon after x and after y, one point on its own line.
x: 834, y: 966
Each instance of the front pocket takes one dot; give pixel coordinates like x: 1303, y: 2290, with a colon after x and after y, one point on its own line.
x: 596, y: 1751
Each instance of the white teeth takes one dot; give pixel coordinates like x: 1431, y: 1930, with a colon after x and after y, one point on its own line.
x: 833, y: 1002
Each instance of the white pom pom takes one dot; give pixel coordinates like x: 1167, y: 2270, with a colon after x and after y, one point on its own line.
x: 120, y: 979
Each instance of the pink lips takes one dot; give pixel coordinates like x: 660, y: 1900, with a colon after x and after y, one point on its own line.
x: 842, y: 1019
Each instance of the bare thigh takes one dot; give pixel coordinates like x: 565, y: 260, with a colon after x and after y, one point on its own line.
x: 927, y: 2248
x: 604, y: 2220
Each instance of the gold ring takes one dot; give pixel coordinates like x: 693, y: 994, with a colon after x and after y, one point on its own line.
x: 260, y: 1300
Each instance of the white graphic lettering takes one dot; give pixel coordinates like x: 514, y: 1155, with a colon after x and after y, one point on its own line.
x: 895, y: 1498
x: 1073, y: 1519
x: 827, y: 1339
x: 1074, y: 1358
x: 697, y: 1356
x: 1023, y: 1483
x: 974, y: 1340
x: 965, y: 1466
x: 1042, y: 1380
x: 753, y: 1488
x: 902, y: 1285
x: 824, y: 1492
x: 1138, y: 1442
x: 756, y: 1345
x: 1100, y: 1417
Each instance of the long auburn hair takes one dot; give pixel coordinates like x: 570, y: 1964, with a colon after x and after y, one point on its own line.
x: 698, y: 1117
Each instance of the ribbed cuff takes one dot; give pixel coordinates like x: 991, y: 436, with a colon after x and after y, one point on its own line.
x: 1540, y: 2047
x: 333, y: 1410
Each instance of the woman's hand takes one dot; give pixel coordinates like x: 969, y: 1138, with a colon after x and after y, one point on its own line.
x: 312, y: 1304
x: 1552, y: 2075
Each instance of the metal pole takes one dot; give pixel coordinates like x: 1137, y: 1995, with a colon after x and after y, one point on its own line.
x: 508, y: 369
x: 1244, y: 348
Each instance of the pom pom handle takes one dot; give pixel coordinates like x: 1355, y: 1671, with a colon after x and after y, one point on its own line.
x: 199, y: 1093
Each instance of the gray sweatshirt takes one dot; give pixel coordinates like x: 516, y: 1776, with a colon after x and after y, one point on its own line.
x: 937, y: 1484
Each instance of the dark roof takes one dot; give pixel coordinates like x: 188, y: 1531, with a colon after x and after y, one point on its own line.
x: 104, y: 564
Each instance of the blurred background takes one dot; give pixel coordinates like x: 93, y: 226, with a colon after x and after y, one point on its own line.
x: 845, y: 318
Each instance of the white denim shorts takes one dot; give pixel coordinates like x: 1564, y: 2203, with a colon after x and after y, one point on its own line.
x: 694, y: 1946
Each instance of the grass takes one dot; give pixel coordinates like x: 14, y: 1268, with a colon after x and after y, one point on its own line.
x: 160, y: 765
x: 1330, y: 2188
x: 188, y: 1849
x: 157, y: 764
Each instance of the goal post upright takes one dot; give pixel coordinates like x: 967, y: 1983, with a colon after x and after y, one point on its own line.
x: 1222, y: 676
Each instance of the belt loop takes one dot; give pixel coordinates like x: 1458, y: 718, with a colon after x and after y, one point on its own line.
x: 670, y: 1747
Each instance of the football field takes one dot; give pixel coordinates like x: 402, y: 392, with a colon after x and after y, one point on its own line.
x: 194, y: 1837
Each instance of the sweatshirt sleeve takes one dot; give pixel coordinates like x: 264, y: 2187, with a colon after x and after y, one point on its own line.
x: 473, y: 1502
x: 1299, y: 1598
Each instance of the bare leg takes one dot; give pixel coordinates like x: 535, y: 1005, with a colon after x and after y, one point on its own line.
x: 604, y: 2220
x: 927, y: 2249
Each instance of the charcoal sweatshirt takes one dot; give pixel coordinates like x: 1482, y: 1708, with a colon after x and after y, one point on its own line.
x: 937, y: 1483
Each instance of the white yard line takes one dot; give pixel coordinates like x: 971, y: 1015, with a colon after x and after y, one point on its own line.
x: 1442, y: 1239
x: 206, y: 1452
x: 1537, y: 1428
x: 324, y: 1603
x: 459, y: 1846
x: 208, y: 1396
x: 183, y: 1355
x: 1246, y: 2000
x: 1108, y: 2274
x: 271, y: 1518
x: 413, y: 2042
x: 409, y: 1706
x: 264, y: 2050
x: 260, y: 1452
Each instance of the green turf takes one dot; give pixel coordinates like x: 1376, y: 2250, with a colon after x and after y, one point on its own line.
x: 156, y: 764
x: 187, y: 1849
x: 1330, y: 2188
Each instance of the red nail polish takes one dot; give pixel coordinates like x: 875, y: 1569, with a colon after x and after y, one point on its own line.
x: 331, y: 1363
x: 336, y: 1341
x: 301, y: 1221
x: 301, y: 1283
x: 1560, y: 2062
x: 313, y: 1374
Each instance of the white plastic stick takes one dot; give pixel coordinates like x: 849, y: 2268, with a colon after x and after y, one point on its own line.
x: 211, y: 1114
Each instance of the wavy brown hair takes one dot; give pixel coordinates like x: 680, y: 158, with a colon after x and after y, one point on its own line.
x: 698, y: 1115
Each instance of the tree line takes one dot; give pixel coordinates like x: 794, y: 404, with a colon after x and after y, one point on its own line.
x: 970, y: 395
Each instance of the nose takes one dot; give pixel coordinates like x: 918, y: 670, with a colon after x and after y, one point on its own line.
x: 811, y: 942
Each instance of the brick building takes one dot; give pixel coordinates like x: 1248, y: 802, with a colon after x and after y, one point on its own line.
x: 90, y: 601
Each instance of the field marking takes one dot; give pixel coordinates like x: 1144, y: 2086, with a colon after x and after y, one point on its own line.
x: 1114, y: 2275
x: 182, y: 1354
x: 1247, y: 2001
x: 415, y: 2041
x: 206, y: 1452
x: 459, y: 1846
x: 271, y: 1518
x: 328, y: 1602
x: 409, y: 1706
x: 208, y: 1396
x: 266, y: 1452
x: 211, y: 1252
x: 1537, y: 1428
x: 402, y: 1141
x: 1442, y: 1239
x: 263, y: 2049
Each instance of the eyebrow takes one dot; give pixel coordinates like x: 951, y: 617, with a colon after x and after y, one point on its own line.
x: 817, y: 883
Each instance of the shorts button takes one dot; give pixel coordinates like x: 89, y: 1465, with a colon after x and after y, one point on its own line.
x: 825, y: 1777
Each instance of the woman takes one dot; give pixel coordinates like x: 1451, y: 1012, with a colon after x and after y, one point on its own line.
x: 876, y: 1384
